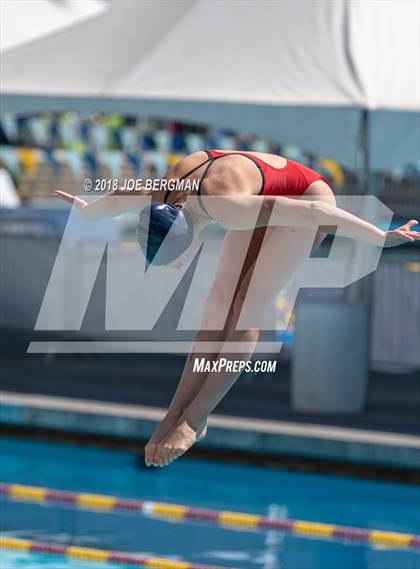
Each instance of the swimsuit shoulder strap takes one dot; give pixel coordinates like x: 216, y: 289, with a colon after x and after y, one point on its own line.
x: 208, y: 159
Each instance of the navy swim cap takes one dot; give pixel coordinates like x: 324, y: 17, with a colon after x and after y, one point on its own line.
x: 154, y: 224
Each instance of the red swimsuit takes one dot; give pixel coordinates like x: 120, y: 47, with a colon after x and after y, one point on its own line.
x: 292, y: 180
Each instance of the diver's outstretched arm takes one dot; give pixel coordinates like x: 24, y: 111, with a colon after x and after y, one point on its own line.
x: 245, y: 212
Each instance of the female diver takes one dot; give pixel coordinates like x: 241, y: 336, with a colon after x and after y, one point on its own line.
x: 240, y: 180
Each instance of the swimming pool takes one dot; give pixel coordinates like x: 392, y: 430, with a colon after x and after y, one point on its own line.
x: 278, y: 494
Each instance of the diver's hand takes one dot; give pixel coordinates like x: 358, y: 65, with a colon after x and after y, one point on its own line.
x: 106, y: 206
x: 74, y: 200
x: 403, y: 234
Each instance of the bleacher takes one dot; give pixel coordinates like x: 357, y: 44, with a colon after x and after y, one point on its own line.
x: 43, y: 152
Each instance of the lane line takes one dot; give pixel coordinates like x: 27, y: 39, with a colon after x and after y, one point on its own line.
x: 224, y: 519
x: 98, y: 555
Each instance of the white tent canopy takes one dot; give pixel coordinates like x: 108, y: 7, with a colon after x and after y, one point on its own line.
x: 296, y: 72
x: 28, y: 20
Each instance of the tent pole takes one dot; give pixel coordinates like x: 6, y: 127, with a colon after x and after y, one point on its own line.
x: 370, y: 186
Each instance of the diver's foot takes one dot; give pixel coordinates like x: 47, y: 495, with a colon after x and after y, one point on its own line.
x: 179, y: 440
x: 160, y: 432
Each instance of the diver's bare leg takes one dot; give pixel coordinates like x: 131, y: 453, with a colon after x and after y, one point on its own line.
x: 289, y: 248
x: 188, y: 387
x: 217, y: 304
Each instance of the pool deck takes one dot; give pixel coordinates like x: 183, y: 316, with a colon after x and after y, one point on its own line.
x: 252, y: 435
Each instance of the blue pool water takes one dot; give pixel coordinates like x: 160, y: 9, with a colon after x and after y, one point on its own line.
x: 277, y: 493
